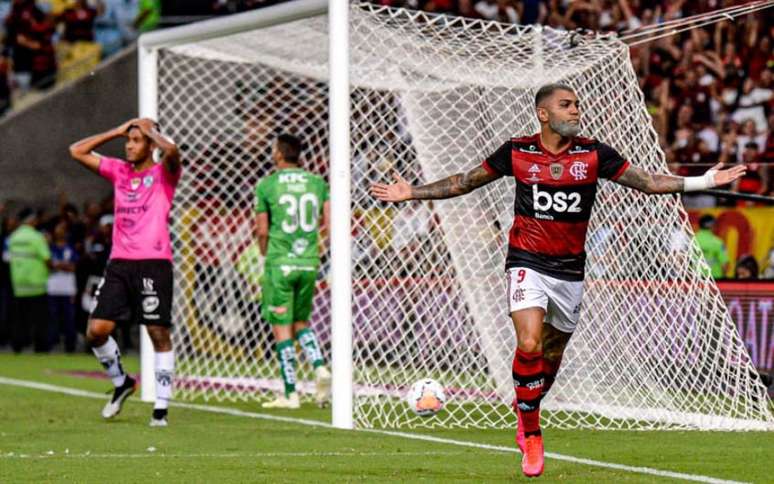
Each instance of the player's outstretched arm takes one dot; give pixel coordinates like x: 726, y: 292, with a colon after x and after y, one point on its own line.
x: 83, y: 150
x: 171, y: 154
x: 449, y: 187
x: 653, y: 183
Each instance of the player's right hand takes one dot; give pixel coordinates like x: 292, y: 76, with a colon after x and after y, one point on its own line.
x: 396, y: 192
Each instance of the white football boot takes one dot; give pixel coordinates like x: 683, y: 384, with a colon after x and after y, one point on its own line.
x: 120, y: 394
x: 291, y: 402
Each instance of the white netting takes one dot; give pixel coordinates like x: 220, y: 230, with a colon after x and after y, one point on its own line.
x: 431, y: 97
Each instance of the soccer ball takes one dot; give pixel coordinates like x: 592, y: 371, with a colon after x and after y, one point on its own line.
x: 426, y: 397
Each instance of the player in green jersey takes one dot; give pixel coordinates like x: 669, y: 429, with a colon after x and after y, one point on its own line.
x: 293, y: 210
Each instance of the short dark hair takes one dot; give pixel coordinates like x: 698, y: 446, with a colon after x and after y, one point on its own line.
x: 748, y: 262
x: 25, y: 213
x: 137, y: 127
x: 706, y: 221
x: 547, y: 90
x: 290, y: 146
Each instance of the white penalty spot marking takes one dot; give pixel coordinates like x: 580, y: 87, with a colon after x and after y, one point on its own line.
x: 315, y: 423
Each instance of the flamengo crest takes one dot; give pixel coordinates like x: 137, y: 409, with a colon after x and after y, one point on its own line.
x: 579, y: 170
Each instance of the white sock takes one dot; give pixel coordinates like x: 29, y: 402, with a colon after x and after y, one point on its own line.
x: 165, y: 372
x: 110, y: 358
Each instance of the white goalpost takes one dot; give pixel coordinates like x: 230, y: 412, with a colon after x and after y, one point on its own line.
x: 418, y: 290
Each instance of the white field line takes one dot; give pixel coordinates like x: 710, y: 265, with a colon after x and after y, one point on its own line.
x: 427, y: 438
x: 229, y: 455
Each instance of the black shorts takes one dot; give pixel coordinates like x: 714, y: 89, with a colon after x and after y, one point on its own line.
x: 135, y: 290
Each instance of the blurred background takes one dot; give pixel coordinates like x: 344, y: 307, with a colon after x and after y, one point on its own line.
x: 68, y: 69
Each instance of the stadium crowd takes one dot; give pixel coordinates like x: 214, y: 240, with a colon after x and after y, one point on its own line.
x: 43, y: 42
x: 709, y: 91
x: 62, y: 255
x: 46, y: 41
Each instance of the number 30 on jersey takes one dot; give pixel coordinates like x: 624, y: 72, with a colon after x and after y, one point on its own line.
x: 300, y: 212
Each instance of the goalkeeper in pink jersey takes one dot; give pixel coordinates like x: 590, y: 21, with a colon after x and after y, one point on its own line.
x: 137, y: 284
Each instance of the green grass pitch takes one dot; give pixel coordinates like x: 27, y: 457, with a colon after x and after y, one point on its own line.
x: 53, y: 437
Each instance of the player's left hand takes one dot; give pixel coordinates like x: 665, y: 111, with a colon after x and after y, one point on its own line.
x: 146, y: 125
x: 395, y: 192
x: 724, y: 177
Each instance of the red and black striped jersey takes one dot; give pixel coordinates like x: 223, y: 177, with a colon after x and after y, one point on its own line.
x: 554, y: 196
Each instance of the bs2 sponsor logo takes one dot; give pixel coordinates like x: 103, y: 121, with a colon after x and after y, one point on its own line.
x: 558, y: 202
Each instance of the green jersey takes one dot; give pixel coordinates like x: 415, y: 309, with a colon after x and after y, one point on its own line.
x: 294, y: 200
x: 714, y: 251
x: 28, y: 252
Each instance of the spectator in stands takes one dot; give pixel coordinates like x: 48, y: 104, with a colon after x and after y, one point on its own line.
x: 5, y: 10
x: 7, y: 225
x: 29, y: 259
x: 126, y: 13
x: 78, y: 20
x: 364, y: 248
x: 712, y: 246
x: 247, y: 291
x: 38, y: 39
x: 467, y: 8
x: 696, y: 96
x: 410, y: 228
x: 768, y: 150
x: 768, y: 271
x: 746, y: 268
x: 62, y: 288
x: 532, y: 11
x: 750, y: 134
x: 68, y: 213
x: 107, y: 27
x: 756, y: 180
x: 487, y: 9
x: 17, y: 28
x: 751, y: 104
x: 5, y: 81
x: 148, y: 16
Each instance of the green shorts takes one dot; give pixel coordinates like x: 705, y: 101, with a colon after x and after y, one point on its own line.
x: 288, y: 291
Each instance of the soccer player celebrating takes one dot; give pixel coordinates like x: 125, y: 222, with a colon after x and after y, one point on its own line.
x: 137, y: 284
x: 292, y: 206
x: 556, y: 175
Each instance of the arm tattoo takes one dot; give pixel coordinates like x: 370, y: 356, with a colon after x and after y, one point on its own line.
x: 650, y: 183
x: 454, y: 185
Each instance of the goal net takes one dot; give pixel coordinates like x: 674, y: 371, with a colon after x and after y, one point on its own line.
x: 432, y: 96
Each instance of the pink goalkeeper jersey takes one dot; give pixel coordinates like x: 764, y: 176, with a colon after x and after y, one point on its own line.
x: 142, y: 201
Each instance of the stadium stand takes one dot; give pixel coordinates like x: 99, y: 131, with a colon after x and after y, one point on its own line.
x: 709, y: 91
